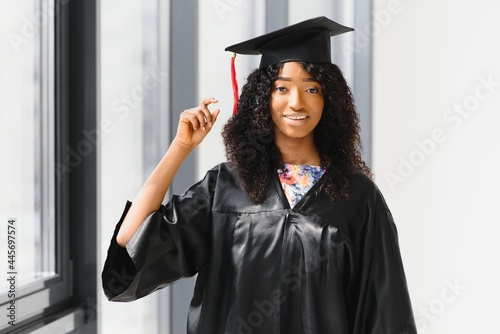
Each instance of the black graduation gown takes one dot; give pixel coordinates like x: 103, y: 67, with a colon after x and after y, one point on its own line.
x: 320, y: 267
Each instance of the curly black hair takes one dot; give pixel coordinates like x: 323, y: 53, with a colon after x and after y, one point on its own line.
x: 249, y: 135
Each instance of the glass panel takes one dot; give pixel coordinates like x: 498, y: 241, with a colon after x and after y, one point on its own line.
x: 27, y: 145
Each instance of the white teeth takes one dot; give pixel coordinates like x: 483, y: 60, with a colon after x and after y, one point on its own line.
x: 296, y: 118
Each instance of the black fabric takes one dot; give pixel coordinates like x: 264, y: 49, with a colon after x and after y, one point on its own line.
x: 320, y: 267
x: 122, y: 272
x: 308, y: 41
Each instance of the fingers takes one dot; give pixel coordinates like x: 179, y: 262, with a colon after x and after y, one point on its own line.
x: 208, y: 100
x: 201, y: 116
x: 207, y: 115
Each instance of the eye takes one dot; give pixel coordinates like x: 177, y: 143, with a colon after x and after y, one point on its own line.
x: 313, y: 90
x: 280, y: 89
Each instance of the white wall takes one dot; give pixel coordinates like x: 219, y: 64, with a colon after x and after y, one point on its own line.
x: 435, y: 131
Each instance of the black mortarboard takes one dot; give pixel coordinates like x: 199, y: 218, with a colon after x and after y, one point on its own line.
x: 304, y: 41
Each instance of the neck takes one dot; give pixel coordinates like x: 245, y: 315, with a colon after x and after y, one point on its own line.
x: 298, y: 151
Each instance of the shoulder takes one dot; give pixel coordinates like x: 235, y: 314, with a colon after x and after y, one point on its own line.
x: 361, y: 184
x: 217, y: 179
x: 223, y: 166
x: 222, y: 169
x: 364, y: 191
x: 212, y: 177
x: 222, y: 175
x: 368, y: 207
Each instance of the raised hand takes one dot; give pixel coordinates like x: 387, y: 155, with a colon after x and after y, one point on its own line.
x: 195, y: 124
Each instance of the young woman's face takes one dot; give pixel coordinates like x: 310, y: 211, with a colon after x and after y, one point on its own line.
x: 296, y: 103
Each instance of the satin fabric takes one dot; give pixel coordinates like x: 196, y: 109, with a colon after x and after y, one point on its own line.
x: 321, y: 267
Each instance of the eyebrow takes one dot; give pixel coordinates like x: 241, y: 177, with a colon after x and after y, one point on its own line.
x: 290, y: 79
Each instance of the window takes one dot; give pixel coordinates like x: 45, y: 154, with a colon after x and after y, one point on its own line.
x: 34, y: 272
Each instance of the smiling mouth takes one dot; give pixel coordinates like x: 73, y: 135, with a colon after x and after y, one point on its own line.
x: 295, y: 118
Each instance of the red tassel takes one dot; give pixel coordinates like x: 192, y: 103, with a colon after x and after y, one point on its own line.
x: 234, y: 83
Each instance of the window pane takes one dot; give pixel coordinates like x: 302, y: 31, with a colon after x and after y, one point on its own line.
x: 25, y: 124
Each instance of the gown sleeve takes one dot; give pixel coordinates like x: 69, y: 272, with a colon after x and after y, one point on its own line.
x: 171, y: 243
x: 378, y: 300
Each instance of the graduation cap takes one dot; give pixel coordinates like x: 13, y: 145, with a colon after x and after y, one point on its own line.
x: 307, y: 41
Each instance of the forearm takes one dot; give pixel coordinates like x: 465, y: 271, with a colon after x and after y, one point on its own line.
x: 152, y: 192
x: 194, y: 124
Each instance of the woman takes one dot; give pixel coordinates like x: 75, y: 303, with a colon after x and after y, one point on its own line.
x: 291, y: 235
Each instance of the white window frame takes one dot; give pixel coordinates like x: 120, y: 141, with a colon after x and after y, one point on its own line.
x: 53, y: 288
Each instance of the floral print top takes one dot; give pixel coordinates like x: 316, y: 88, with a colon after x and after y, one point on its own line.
x: 296, y: 180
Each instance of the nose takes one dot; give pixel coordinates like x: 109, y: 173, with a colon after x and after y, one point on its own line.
x: 295, y: 100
